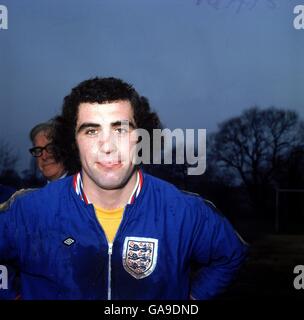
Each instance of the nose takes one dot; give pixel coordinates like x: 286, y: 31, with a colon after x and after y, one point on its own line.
x: 107, y: 143
x: 45, y: 155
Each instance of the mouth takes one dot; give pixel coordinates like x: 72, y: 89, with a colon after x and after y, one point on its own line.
x: 48, y: 164
x: 109, y: 164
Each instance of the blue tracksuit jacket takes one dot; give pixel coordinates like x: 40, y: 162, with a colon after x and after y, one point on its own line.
x: 55, y: 241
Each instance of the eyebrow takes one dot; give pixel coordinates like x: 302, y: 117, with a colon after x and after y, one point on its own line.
x: 123, y: 123
x: 41, y: 147
x: 113, y: 124
x: 87, y: 125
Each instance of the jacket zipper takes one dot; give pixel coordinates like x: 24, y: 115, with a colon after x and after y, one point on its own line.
x: 110, y: 248
x: 110, y: 251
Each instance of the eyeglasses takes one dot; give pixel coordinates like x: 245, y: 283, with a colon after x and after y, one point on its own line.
x: 37, y: 151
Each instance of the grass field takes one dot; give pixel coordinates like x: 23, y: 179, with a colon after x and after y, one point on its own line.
x: 268, y: 272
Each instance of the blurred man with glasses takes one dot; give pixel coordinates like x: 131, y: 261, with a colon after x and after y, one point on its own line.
x: 51, y: 167
x: 44, y: 152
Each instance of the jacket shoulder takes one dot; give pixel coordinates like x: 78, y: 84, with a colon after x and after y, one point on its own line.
x: 170, y: 193
x: 29, y: 201
x: 183, y: 198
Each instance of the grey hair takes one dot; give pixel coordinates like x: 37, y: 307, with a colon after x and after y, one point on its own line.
x: 46, y: 127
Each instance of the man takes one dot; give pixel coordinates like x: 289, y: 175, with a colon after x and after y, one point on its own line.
x: 47, y: 159
x: 112, y: 231
x: 44, y: 151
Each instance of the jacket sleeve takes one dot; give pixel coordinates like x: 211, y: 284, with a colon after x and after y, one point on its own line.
x: 8, y: 252
x: 217, y: 250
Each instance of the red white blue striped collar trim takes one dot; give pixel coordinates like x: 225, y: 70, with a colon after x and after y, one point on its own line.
x: 78, y: 186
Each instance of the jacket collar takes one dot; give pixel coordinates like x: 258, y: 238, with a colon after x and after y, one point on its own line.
x: 78, y: 187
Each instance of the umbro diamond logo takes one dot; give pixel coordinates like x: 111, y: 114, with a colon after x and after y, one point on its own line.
x: 68, y: 241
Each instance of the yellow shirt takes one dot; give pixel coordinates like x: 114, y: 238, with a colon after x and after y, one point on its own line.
x: 109, y: 220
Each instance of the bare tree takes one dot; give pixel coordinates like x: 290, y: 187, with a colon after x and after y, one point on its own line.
x: 255, y: 145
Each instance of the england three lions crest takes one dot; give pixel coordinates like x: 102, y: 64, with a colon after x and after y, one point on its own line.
x: 139, y: 256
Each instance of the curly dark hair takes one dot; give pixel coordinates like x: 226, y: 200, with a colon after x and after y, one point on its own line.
x: 96, y: 90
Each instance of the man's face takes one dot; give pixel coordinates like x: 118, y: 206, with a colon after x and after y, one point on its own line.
x: 105, y: 139
x: 50, y: 168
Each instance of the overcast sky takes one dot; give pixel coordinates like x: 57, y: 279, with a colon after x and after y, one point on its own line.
x: 198, y: 63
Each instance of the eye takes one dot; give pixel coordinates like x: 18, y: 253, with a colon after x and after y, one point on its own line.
x: 91, y: 132
x: 121, y: 130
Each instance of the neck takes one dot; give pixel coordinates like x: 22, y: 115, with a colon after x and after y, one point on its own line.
x: 110, y: 199
x: 57, y: 176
